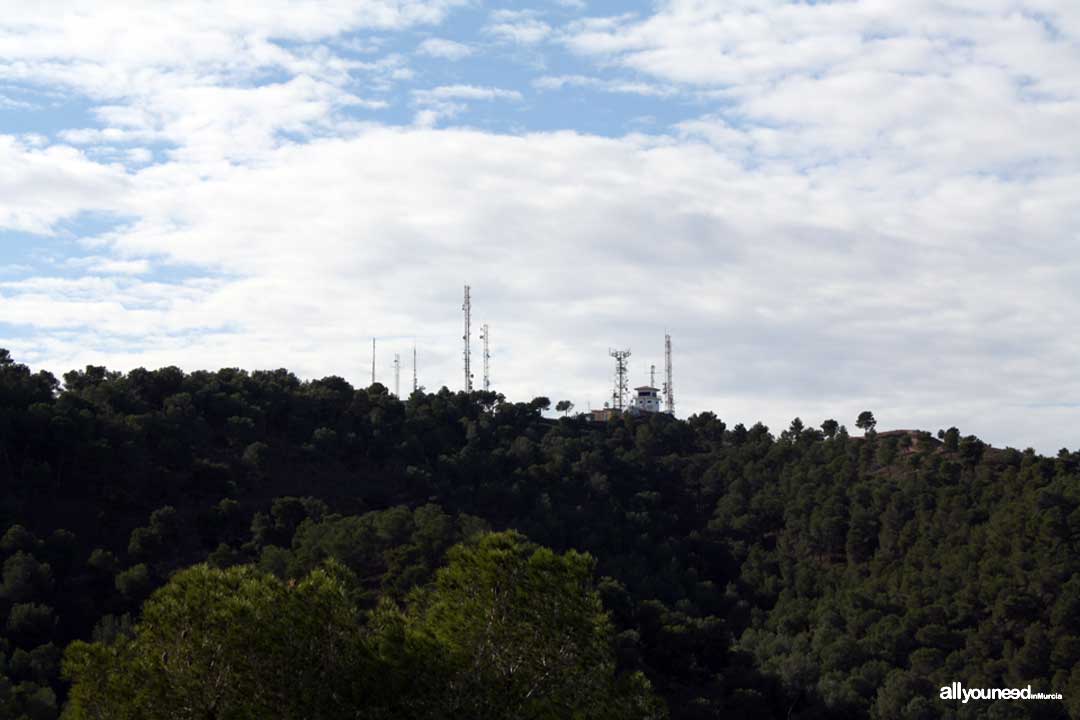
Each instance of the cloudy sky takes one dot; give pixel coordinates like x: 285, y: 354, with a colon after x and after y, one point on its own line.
x: 831, y: 206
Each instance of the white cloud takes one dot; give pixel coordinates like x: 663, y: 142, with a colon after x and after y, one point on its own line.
x: 216, y: 81
x: 438, y: 103
x: 111, y: 266
x: 466, y: 92
x: 140, y: 156
x: 629, y: 87
x: 10, y: 103
x: 122, y: 308
x: 41, y: 186
x: 443, y: 48
x: 220, y: 36
x: 975, y: 89
x: 522, y: 27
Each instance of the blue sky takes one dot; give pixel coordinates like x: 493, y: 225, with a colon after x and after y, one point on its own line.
x: 830, y: 206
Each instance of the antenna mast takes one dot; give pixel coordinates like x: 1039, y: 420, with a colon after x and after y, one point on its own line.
x: 415, y: 387
x: 372, y: 361
x: 397, y: 375
x: 487, y: 357
x: 669, y: 388
x: 652, y: 376
x: 622, y: 384
x: 467, y: 308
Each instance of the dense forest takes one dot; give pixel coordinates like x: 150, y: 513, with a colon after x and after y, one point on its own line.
x: 238, y: 544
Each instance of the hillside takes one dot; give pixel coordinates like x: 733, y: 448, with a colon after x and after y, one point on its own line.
x: 800, y: 574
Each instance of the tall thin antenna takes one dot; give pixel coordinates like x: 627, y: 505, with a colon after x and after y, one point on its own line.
x: 372, y: 361
x: 487, y: 357
x: 467, y: 308
x: 397, y: 375
x: 669, y: 387
x: 622, y: 384
x: 652, y: 376
x: 415, y: 387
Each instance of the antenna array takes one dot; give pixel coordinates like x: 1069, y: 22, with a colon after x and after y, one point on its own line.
x: 669, y: 388
x: 397, y: 375
x: 487, y: 357
x: 622, y: 383
x: 467, y: 309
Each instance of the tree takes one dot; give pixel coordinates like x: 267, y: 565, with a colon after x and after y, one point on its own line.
x: 951, y: 439
x: 31, y: 622
x: 232, y: 643
x: 866, y: 421
x: 134, y: 583
x: 257, y: 456
x: 829, y: 427
x: 17, y: 537
x: 24, y: 578
x: 540, y: 403
x: 507, y: 630
x: 564, y: 406
x: 523, y: 634
x: 796, y: 429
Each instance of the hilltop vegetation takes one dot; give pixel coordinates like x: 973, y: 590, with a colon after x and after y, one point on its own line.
x: 718, y: 571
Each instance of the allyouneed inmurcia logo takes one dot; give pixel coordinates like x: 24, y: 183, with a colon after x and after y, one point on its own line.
x: 956, y: 691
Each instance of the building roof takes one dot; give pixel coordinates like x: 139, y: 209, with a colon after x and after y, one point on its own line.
x: 646, y: 387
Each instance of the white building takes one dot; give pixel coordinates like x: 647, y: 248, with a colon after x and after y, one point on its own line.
x: 647, y: 399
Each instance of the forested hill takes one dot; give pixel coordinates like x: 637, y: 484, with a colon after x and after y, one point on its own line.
x: 746, y: 574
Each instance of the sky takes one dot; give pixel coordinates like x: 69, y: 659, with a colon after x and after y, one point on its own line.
x: 830, y: 206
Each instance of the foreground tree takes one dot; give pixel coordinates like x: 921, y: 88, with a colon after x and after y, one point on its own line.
x: 507, y: 630
x: 522, y: 633
x: 230, y: 643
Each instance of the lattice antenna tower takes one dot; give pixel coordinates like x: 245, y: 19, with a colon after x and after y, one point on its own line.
x: 372, y: 361
x: 466, y: 307
x: 397, y: 375
x: 652, y: 376
x: 487, y: 356
x: 415, y: 386
x: 669, y: 386
x: 622, y: 381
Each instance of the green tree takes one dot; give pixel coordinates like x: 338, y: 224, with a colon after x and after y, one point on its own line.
x: 31, y: 622
x: 866, y: 421
x: 523, y: 634
x: 951, y: 439
x: 134, y: 583
x: 540, y: 403
x: 232, y: 643
x: 17, y: 537
x: 25, y: 578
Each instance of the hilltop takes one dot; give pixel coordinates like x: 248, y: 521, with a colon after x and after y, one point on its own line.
x: 805, y: 573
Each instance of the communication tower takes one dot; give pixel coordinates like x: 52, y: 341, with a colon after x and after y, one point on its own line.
x: 622, y: 383
x: 669, y: 387
x: 397, y: 375
x: 467, y: 309
x: 487, y: 357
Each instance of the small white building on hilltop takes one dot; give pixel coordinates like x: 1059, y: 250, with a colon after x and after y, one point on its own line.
x: 647, y: 399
